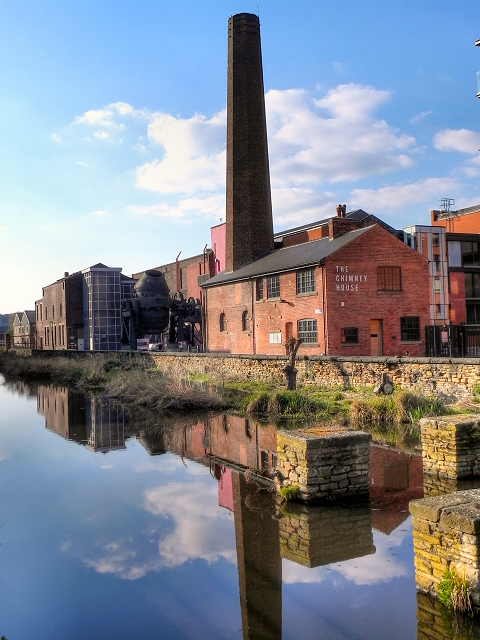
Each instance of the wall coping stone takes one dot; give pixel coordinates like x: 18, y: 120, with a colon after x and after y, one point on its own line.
x: 460, y: 510
x: 324, y: 437
x: 300, y: 358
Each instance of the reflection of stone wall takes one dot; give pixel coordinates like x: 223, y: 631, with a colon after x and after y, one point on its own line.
x: 324, y: 463
x: 434, y: 622
x: 454, y: 379
x: 316, y: 536
x: 446, y: 535
x: 440, y: 486
x: 451, y: 446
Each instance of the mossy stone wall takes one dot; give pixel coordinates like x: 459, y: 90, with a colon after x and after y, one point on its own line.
x: 452, y: 379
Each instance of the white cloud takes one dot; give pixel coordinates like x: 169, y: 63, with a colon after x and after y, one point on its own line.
x: 99, y: 212
x: 396, y: 197
x: 349, y: 143
x: 463, y: 140
x: 193, y: 154
x: 212, y: 207
x: 107, y: 116
x: 420, y: 116
x: 103, y: 135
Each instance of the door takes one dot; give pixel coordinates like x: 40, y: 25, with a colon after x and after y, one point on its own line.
x: 376, y: 337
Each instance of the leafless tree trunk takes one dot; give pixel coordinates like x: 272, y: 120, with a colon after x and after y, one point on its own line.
x: 290, y: 370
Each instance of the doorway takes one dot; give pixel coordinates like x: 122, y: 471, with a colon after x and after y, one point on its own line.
x: 376, y: 337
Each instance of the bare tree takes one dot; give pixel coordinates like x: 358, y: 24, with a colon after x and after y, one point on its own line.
x: 289, y: 369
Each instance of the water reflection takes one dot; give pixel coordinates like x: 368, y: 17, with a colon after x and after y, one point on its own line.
x: 188, y: 518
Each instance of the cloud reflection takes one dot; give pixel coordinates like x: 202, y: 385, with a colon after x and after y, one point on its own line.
x: 186, y: 525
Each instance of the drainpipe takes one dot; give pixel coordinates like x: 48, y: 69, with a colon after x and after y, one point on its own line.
x: 204, y: 321
x: 254, y: 344
x: 177, y: 274
x: 324, y: 288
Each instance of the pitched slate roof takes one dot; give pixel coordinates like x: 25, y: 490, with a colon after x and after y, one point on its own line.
x: 288, y: 258
x: 357, y: 214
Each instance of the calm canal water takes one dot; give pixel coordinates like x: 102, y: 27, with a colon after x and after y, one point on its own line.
x: 115, y: 531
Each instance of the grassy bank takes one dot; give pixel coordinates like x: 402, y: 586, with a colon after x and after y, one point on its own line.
x: 130, y: 379
x: 133, y: 381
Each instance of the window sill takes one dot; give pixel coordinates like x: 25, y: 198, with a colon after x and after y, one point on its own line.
x: 410, y: 342
x: 306, y: 294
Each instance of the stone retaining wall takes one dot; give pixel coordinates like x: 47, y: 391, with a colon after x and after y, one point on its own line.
x: 324, y: 464
x: 452, y: 379
x: 446, y: 535
x: 451, y: 446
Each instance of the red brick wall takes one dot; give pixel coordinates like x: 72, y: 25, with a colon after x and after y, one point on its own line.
x: 266, y: 317
x: 361, y: 257
x: 458, y: 309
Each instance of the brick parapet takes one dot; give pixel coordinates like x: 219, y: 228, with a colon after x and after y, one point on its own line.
x: 449, y: 378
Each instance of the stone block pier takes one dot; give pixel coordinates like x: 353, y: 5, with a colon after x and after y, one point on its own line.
x: 446, y: 535
x: 324, y: 463
x: 451, y: 446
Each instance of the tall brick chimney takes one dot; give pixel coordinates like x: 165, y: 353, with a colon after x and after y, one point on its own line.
x: 249, y: 220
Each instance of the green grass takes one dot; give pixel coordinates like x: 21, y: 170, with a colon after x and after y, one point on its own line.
x: 454, y: 592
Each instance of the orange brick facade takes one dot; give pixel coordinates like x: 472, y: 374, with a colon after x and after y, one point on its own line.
x: 346, y: 297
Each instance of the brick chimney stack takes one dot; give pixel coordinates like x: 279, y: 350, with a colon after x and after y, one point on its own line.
x: 249, y: 220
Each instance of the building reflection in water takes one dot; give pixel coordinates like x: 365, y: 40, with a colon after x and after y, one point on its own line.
x: 93, y: 421
x: 241, y: 454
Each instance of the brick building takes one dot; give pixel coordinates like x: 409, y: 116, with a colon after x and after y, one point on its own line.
x: 59, y: 314
x: 355, y: 292
x: 83, y: 310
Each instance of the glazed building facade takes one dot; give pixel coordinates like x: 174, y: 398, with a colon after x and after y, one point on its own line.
x: 356, y: 292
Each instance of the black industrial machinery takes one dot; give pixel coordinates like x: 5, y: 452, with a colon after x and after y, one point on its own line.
x: 152, y: 310
x: 186, y: 318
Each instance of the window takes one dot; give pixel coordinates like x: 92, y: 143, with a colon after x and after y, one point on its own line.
x: 307, y: 331
x: 410, y: 329
x: 259, y: 289
x: 223, y: 322
x: 472, y: 285
x: 470, y: 254
x: 53, y: 311
x: 389, y: 278
x: 306, y: 281
x: 350, y: 335
x: 61, y: 310
x: 275, y: 337
x: 245, y: 321
x: 273, y: 287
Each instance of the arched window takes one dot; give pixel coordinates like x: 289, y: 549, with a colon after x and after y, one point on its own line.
x: 245, y: 321
x: 223, y: 322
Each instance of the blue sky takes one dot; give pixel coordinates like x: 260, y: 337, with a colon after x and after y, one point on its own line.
x: 112, y: 127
